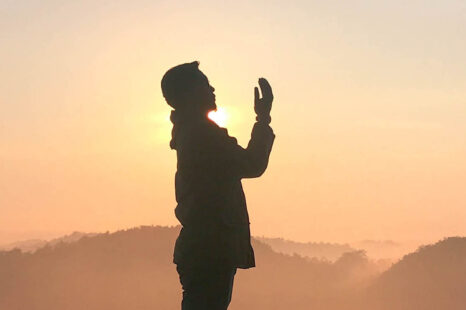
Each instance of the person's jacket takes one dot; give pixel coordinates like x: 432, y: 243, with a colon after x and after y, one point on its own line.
x: 211, y: 203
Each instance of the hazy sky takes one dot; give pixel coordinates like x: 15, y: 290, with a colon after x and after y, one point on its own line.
x: 369, y: 113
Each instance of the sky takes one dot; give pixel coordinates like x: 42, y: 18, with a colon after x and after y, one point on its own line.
x: 369, y: 113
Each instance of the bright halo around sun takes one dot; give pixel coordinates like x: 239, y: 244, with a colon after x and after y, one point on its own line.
x: 219, y: 117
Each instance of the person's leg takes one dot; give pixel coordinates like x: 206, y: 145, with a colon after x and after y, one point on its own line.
x: 207, y: 288
x: 231, y: 277
x: 193, y: 285
x: 220, y: 288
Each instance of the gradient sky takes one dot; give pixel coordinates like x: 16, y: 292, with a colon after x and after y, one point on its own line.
x: 369, y: 113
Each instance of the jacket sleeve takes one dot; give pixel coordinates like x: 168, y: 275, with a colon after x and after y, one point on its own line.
x: 239, y: 162
x: 211, y: 155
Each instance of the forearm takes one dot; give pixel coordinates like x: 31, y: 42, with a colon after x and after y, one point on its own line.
x: 259, y: 149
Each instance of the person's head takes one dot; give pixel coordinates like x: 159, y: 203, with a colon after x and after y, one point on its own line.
x: 186, y: 88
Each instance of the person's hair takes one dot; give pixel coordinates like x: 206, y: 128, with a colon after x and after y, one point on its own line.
x: 178, y: 81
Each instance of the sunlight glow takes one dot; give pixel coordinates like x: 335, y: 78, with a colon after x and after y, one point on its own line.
x: 219, y: 117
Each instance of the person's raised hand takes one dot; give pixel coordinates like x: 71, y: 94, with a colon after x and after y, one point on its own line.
x: 262, y: 106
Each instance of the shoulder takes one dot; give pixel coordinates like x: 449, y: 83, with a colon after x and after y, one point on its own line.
x: 204, y: 135
x: 220, y: 134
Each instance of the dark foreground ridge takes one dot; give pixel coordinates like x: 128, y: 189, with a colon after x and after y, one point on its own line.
x: 132, y: 269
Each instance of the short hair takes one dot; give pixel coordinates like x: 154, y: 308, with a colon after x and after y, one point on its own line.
x: 178, y: 81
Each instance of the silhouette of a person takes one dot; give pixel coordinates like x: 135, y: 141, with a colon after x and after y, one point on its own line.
x: 215, y: 238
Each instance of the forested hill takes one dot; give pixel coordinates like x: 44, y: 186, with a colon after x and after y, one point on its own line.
x: 433, y: 277
x: 321, y: 250
x: 132, y: 269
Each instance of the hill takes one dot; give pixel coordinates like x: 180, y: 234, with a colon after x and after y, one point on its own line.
x: 386, y: 249
x: 33, y: 244
x: 433, y: 277
x: 321, y: 250
x: 133, y: 269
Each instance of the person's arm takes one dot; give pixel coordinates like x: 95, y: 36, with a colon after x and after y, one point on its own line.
x: 252, y: 161
x: 212, y: 155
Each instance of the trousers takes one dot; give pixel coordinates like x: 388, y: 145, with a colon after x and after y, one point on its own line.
x: 207, y: 287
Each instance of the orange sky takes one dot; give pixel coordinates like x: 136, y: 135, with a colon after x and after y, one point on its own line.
x: 369, y: 113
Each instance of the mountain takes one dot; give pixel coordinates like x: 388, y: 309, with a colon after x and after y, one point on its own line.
x: 25, y: 245
x: 321, y: 250
x: 133, y: 269
x: 33, y: 244
x: 386, y: 249
x: 128, y: 269
x: 433, y: 277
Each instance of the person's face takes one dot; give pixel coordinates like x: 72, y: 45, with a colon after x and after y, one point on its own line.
x: 204, y: 92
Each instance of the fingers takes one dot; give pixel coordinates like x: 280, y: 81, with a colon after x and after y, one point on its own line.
x: 256, y: 94
x: 266, y: 89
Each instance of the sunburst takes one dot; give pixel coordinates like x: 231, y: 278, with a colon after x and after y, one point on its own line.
x: 219, y: 117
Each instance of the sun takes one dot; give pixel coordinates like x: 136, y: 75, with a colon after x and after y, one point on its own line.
x: 219, y: 117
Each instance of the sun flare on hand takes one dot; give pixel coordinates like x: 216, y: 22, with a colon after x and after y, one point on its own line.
x: 219, y: 117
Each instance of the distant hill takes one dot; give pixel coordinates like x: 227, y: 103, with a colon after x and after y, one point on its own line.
x: 433, y: 277
x: 25, y: 245
x: 133, y: 269
x: 128, y: 269
x: 320, y: 250
x: 385, y: 249
x: 33, y: 244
